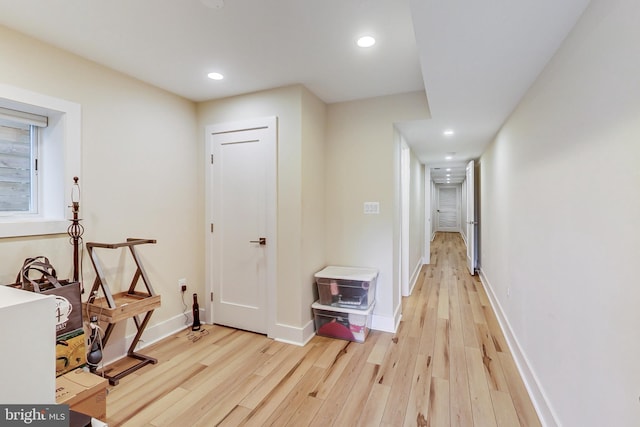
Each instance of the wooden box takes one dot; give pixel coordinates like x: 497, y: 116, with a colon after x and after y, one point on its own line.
x: 84, y: 392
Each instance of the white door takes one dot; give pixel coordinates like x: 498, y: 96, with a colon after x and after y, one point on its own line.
x: 470, y: 221
x: 448, y: 208
x: 241, y: 233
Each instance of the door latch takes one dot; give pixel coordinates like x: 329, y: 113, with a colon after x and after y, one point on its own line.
x: 262, y: 241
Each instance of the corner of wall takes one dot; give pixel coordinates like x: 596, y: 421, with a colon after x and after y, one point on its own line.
x: 387, y: 323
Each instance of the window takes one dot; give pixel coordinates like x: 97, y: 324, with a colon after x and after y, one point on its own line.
x: 19, y: 143
x: 39, y: 156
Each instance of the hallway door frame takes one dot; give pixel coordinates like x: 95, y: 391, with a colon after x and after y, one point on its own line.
x: 456, y: 227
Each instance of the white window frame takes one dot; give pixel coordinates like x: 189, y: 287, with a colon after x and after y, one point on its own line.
x: 59, y: 161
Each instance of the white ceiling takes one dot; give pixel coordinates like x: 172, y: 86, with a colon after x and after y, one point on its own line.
x: 478, y: 59
x: 475, y: 59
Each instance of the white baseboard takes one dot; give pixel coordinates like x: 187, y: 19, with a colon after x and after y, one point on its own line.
x: 538, y: 397
x: 118, y: 345
x: 414, y: 276
x: 294, y: 334
x: 387, y: 323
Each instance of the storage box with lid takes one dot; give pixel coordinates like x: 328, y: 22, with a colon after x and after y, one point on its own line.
x: 347, y: 287
x: 343, y: 323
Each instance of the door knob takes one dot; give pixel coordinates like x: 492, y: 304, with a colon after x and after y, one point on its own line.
x: 262, y: 241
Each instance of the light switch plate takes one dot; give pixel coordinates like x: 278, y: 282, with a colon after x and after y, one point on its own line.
x: 371, y: 208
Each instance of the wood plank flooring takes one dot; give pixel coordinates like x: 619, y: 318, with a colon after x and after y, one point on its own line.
x: 447, y: 365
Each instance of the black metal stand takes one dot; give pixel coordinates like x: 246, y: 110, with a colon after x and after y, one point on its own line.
x: 76, y: 230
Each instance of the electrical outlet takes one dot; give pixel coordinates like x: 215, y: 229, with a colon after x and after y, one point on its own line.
x: 182, y: 285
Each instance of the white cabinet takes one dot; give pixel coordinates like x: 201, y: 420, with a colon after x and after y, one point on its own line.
x: 27, y: 359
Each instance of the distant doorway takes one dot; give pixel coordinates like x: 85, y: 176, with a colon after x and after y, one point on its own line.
x: 470, y: 220
x: 448, y: 208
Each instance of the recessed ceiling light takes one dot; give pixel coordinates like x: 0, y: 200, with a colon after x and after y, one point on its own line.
x: 448, y: 169
x: 215, y: 76
x: 448, y: 132
x: 448, y: 157
x: 366, y: 41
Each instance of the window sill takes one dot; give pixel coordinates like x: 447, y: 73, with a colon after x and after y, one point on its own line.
x: 32, y: 227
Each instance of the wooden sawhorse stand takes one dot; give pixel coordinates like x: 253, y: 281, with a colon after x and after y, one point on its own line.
x: 124, y: 305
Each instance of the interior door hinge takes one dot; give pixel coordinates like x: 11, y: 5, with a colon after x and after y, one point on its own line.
x: 211, y: 296
x: 212, y: 227
x: 212, y: 159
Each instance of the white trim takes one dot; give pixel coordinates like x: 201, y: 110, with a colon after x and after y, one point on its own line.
x: 271, y: 214
x: 405, y: 217
x: 293, y: 334
x: 64, y: 133
x: 414, y: 276
x: 464, y: 238
x: 386, y: 323
x: 531, y: 382
x: 426, y: 256
x: 32, y: 227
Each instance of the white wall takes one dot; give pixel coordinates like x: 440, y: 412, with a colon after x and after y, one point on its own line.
x: 143, y: 177
x: 559, y: 226
x: 314, y: 122
x: 412, y: 209
x: 139, y: 151
x: 363, y: 165
x: 434, y: 209
x: 428, y: 197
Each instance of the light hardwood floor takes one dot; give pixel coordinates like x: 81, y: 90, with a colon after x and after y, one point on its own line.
x: 447, y: 365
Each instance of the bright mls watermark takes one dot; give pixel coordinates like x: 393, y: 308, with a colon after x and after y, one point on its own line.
x: 34, y: 415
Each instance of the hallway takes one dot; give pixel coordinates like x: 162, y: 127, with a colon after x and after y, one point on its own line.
x: 447, y: 365
x: 472, y: 378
